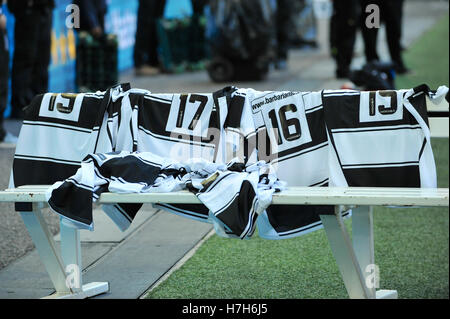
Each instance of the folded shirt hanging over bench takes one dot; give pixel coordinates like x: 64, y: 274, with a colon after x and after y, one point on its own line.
x: 233, y: 194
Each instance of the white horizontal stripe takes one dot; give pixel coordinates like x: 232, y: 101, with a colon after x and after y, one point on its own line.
x: 55, y: 142
x: 342, y: 94
x: 380, y: 166
x: 340, y: 91
x: 100, y: 97
x: 156, y: 99
x: 378, y: 147
x: 313, y: 109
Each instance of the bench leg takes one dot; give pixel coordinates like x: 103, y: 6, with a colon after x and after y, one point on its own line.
x: 356, y: 262
x: 71, y: 255
x: 65, y: 268
x: 362, y: 237
x: 363, y: 244
x: 46, y: 247
x: 345, y: 256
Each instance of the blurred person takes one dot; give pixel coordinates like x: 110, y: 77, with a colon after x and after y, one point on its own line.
x: 391, y: 13
x: 4, y: 75
x: 282, y: 22
x: 146, y: 60
x: 92, y: 16
x: 32, y: 40
x: 343, y: 27
x: 198, y: 50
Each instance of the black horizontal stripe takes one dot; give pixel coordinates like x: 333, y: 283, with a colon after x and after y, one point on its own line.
x: 438, y: 114
x: 181, y: 140
x: 47, y: 158
x: 301, y: 153
x: 60, y: 127
x: 388, y: 176
x: 32, y: 172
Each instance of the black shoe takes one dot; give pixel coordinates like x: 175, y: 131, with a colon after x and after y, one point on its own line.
x: 400, y: 68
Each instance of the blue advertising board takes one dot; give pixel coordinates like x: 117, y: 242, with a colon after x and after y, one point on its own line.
x: 63, y: 51
x: 121, y: 20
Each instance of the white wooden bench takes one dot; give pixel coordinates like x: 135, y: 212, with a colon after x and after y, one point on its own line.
x: 352, y: 258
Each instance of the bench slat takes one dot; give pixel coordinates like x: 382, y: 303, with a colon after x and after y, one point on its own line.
x: 439, y: 126
x: 377, y: 196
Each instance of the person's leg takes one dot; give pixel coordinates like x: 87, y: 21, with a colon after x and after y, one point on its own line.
x: 333, y: 35
x: 282, y: 25
x: 142, y: 45
x: 369, y: 34
x: 157, y: 12
x: 25, y: 50
x: 392, y: 11
x: 197, y: 50
x: 146, y: 59
x: 39, y: 82
x: 343, y: 34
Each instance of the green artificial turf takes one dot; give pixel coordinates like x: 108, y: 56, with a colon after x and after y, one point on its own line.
x: 428, y: 58
x: 411, y: 245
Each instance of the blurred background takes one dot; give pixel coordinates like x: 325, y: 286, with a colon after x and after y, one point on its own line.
x: 102, y: 42
x: 230, y: 40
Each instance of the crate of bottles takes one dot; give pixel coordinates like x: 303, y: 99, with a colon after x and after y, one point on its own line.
x: 97, y: 62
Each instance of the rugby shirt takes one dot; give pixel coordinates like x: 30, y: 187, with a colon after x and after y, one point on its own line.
x: 58, y: 131
x: 379, y: 138
x: 183, y: 126
x: 289, y: 133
